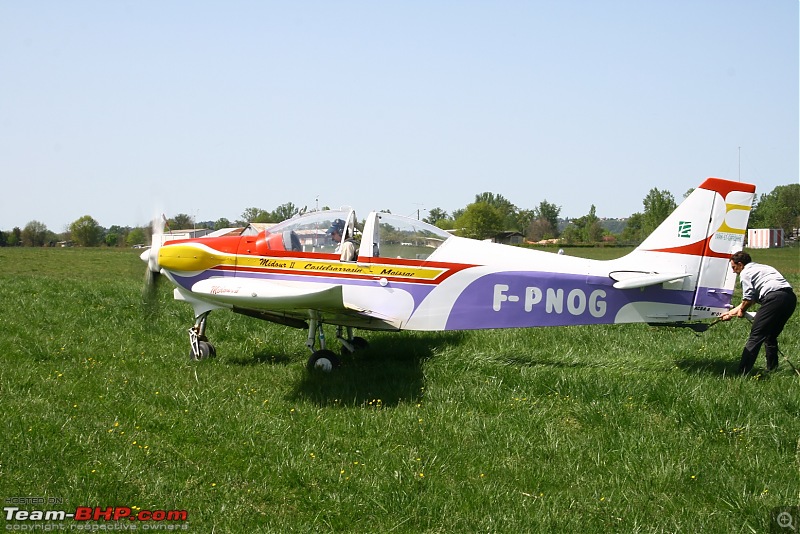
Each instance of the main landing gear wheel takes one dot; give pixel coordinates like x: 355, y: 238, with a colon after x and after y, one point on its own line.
x: 323, y: 360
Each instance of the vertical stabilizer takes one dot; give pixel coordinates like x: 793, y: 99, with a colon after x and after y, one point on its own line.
x: 699, y: 237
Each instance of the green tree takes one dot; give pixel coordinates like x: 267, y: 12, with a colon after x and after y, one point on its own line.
x: 778, y: 209
x: 520, y: 220
x: 545, y: 222
x: 571, y: 234
x: 255, y: 215
x: 549, y: 212
x: 509, y: 212
x: 283, y: 212
x: 16, y: 237
x: 86, y: 232
x: 137, y: 236
x: 591, y: 231
x: 121, y: 233
x: 657, y: 207
x: 586, y: 229
x: 633, y: 229
x: 112, y: 239
x: 181, y: 221
x: 34, y: 234
x: 480, y: 221
x: 222, y: 223
x: 435, y: 215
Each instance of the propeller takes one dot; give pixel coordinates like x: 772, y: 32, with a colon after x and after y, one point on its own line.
x: 152, y: 272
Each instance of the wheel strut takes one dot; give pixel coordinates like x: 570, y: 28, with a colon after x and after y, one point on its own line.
x: 200, y: 347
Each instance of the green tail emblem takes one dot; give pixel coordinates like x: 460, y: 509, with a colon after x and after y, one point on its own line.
x: 685, y: 229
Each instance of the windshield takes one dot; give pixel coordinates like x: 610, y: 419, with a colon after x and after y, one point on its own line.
x: 311, y: 229
x: 395, y: 237
x: 401, y: 237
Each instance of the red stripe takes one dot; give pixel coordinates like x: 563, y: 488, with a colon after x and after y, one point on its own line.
x: 723, y: 187
x: 700, y: 248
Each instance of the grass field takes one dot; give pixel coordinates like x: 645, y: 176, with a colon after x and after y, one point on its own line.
x: 622, y: 428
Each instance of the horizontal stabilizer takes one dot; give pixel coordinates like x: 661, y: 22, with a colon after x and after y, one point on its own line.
x: 634, y: 279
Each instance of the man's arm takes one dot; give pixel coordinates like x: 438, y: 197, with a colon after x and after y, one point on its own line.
x: 738, y: 311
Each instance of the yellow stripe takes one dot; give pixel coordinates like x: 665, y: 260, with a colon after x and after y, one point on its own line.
x: 731, y: 207
x: 305, y: 266
x: 194, y: 257
x: 728, y: 229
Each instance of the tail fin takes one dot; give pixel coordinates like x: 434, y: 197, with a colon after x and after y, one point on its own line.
x: 711, y: 222
x: 698, y: 239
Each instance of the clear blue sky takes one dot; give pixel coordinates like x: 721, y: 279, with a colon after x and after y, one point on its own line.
x: 123, y: 109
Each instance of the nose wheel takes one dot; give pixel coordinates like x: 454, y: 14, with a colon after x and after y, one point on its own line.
x: 200, y: 347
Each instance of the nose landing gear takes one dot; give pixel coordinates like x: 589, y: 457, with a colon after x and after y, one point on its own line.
x: 200, y: 347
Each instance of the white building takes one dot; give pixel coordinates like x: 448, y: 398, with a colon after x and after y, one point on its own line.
x: 765, y: 238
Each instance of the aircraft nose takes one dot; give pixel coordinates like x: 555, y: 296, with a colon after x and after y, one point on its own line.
x: 192, y: 257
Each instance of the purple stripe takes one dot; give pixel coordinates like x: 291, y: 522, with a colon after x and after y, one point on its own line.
x: 525, y: 299
x: 713, y: 297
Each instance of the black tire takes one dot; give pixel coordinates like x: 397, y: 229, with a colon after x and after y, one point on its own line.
x: 323, y: 361
x: 206, y: 350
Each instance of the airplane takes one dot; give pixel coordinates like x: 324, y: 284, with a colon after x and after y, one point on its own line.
x: 410, y: 275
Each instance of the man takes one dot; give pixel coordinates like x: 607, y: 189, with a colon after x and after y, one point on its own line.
x: 346, y: 247
x: 766, y: 286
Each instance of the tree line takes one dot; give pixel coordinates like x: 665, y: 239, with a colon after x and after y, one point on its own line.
x: 489, y: 215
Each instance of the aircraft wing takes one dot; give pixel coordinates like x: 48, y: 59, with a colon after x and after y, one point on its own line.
x: 634, y: 279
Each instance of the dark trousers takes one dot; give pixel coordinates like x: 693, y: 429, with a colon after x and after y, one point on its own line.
x: 776, y: 308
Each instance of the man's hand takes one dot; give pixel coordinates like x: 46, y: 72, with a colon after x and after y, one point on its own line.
x: 738, y: 311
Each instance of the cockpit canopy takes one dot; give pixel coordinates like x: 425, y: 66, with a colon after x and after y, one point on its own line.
x: 380, y: 234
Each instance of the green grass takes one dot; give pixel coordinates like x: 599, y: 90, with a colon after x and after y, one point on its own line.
x: 618, y: 428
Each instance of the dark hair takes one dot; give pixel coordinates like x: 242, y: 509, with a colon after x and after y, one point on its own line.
x: 741, y: 257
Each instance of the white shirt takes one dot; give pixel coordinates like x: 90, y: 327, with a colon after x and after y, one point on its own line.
x: 758, y: 280
x: 348, y: 250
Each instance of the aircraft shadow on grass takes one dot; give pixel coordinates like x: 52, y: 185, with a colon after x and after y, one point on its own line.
x: 387, y: 373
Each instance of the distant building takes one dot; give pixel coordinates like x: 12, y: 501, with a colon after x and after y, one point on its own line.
x: 509, y: 238
x: 765, y: 238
